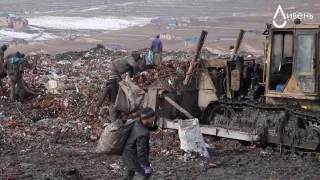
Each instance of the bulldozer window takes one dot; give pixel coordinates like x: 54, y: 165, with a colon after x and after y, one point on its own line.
x: 281, y: 59
x: 305, y: 54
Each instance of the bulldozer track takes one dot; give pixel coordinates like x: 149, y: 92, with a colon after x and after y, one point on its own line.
x: 294, y: 110
x: 294, y: 126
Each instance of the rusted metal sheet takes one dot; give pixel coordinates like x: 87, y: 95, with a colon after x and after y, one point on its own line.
x: 310, y: 104
x: 190, y: 98
x: 216, y: 63
x: 235, y: 80
x: 291, y: 96
x: 215, y: 131
x: 207, y: 90
x: 150, y: 99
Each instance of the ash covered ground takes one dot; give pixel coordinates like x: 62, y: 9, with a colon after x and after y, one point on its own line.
x: 54, y: 134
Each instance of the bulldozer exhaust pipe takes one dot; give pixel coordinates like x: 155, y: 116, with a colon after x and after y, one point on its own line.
x: 196, y: 56
x: 239, y: 40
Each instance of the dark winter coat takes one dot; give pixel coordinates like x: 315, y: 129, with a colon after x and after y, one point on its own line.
x: 136, y: 150
x: 15, y: 67
x: 121, y: 66
x: 156, y: 45
x: 2, y: 50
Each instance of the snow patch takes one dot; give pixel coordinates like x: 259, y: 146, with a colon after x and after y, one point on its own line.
x: 91, y: 9
x: 46, y: 36
x: 8, y: 35
x: 88, y: 23
x: 20, y: 35
x: 125, y: 4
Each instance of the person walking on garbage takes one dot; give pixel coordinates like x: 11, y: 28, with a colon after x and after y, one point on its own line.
x: 2, y: 50
x: 156, y: 48
x: 136, y: 150
x: 117, y: 68
x: 15, y: 69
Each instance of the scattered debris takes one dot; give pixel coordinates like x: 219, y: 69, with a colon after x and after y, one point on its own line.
x: 53, y: 135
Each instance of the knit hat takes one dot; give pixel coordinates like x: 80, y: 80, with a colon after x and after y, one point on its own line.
x: 147, y: 113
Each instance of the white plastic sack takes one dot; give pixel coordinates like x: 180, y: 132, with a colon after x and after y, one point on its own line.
x: 130, y: 97
x: 114, y: 138
x: 191, y: 138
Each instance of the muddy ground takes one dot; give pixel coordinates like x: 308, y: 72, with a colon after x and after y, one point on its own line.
x: 53, y: 135
x: 53, y: 148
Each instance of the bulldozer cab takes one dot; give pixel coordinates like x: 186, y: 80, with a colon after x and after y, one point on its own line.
x: 293, y: 61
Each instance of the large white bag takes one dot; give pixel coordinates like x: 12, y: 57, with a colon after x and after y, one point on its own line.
x: 130, y: 97
x: 191, y: 138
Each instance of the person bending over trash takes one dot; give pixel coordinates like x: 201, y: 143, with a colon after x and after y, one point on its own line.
x: 117, y: 68
x: 15, y: 69
x: 136, y: 150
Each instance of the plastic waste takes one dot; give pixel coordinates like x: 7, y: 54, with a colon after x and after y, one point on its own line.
x: 53, y: 84
x: 179, y: 70
x: 149, y: 58
x: 129, y: 121
x: 191, y: 139
x: 54, y: 75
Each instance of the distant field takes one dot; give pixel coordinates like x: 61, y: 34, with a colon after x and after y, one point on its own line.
x: 67, y: 22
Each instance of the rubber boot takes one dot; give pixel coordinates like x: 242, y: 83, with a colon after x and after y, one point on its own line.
x: 113, y: 112
x: 12, y: 91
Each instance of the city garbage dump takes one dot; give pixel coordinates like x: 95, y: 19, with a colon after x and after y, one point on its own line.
x: 55, y: 133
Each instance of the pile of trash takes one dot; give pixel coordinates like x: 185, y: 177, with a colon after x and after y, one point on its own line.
x: 166, y: 142
x: 172, y: 69
x: 71, y: 83
x: 184, y: 55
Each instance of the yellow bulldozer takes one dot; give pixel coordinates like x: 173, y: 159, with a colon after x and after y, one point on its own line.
x: 275, y: 101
